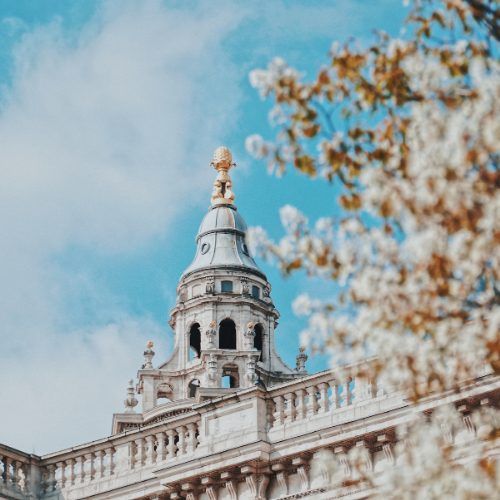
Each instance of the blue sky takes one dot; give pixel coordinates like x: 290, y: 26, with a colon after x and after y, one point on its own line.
x: 110, y: 111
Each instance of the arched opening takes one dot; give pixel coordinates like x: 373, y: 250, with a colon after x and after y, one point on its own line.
x: 230, y: 377
x: 257, y: 340
x: 194, y: 341
x: 227, y: 334
x: 192, y: 386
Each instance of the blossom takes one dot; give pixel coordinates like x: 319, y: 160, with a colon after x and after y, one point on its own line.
x: 415, y: 254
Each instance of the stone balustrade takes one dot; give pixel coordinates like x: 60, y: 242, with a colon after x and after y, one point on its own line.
x: 209, y: 446
x: 119, y: 459
x: 324, y: 393
x: 18, y: 474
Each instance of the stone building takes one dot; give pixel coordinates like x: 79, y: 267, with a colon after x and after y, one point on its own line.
x: 224, y: 417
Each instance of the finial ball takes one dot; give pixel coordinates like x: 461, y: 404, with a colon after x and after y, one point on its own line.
x: 150, y: 344
x: 222, y: 158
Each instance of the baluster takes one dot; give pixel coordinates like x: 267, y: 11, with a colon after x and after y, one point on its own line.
x: 312, y: 404
x: 355, y: 393
x: 323, y: 397
x: 171, y: 447
x: 160, y: 448
x: 71, y: 472
x: 346, y: 393
x: 81, y: 469
x: 132, y: 449
x: 150, y: 449
x: 7, y: 472
x: 110, y: 456
x: 2, y: 470
x: 279, y: 414
x: 15, y: 474
x: 61, y: 476
x: 192, y: 442
x: 290, y: 407
x: 334, y: 398
x: 139, y: 457
x: 91, y: 470
x: 181, y: 445
x: 44, y: 480
x: 300, y: 410
x: 99, y: 455
x: 52, y: 477
x: 362, y: 389
x: 23, y: 480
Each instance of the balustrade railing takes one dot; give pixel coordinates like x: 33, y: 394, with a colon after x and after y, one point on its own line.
x: 16, y: 475
x: 319, y: 394
x: 121, y: 455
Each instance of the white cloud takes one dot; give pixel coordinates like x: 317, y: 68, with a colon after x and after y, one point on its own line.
x: 104, y: 139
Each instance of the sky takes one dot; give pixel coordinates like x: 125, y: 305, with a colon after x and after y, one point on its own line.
x: 109, y: 115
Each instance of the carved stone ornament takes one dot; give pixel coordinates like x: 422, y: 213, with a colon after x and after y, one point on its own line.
x: 301, y: 360
x: 148, y: 355
x: 211, y: 333
x: 249, y: 336
x: 131, y: 401
x: 222, y: 162
x: 210, y: 285
x: 250, y: 373
x: 245, y: 288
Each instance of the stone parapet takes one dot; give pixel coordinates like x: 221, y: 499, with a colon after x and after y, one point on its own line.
x: 287, y: 442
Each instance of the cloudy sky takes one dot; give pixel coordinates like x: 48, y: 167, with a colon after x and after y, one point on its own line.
x: 109, y: 113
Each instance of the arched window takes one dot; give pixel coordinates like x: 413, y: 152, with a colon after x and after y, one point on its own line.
x: 257, y: 340
x: 226, y: 286
x: 255, y: 292
x: 193, y: 385
x: 194, y: 341
x: 230, y: 377
x: 227, y: 334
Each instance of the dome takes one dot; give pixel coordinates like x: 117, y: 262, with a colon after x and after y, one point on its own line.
x: 220, y: 242
x: 220, y: 218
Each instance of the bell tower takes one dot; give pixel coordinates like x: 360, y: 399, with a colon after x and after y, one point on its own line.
x: 224, y: 319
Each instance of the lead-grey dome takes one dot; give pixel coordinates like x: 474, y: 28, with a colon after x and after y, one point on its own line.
x: 220, y: 242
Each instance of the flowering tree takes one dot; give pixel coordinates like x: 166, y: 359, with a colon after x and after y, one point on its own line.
x: 408, y: 132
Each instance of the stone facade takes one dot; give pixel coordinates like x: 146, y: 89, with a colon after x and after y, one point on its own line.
x: 225, y: 417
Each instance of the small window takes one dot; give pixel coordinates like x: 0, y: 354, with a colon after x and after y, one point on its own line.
x: 226, y: 286
x: 245, y: 249
x: 255, y: 292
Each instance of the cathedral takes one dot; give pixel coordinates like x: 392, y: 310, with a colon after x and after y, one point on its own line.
x: 225, y: 417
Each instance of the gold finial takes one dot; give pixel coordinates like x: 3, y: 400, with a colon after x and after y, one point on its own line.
x: 223, y: 159
x: 222, y: 162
